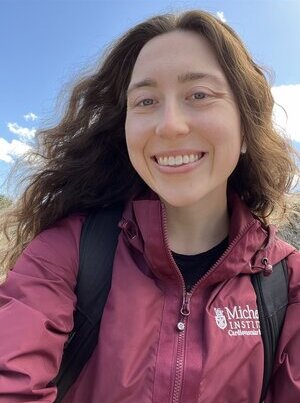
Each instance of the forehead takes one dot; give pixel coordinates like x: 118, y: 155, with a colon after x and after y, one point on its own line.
x: 176, y: 52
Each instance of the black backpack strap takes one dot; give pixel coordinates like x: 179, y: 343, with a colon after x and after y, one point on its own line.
x: 272, y: 299
x: 96, y: 254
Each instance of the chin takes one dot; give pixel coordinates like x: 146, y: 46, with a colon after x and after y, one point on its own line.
x: 181, y: 201
x: 184, y: 198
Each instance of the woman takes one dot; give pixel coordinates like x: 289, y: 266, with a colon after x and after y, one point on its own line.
x: 176, y: 123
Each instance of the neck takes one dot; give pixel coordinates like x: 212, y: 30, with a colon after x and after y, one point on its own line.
x: 199, y: 227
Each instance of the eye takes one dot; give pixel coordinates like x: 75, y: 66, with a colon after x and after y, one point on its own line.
x: 199, y: 95
x: 146, y: 102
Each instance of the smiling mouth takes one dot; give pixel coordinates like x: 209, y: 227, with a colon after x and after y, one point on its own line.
x: 178, y: 160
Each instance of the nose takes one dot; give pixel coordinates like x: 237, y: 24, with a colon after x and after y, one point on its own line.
x: 172, y: 121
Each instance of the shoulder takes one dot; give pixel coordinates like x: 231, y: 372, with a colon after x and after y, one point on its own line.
x: 290, y: 253
x: 281, y: 250
x: 54, y: 252
x: 63, y: 235
x: 293, y: 265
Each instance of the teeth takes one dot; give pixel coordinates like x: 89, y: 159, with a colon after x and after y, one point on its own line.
x: 171, y: 161
x: 178, y: 160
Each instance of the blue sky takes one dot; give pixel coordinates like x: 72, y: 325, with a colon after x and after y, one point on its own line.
x: 45, y: 44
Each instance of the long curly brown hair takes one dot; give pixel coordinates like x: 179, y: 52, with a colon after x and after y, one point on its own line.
x: 83, y: 161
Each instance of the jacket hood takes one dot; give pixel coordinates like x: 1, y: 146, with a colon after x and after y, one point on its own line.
x: 252, y: 247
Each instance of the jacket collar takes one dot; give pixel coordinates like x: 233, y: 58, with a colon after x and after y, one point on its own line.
x: 253, y: 247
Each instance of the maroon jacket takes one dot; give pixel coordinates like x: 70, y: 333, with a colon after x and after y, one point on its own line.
x: 157, y: 342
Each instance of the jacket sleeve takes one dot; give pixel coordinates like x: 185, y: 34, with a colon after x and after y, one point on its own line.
x: 36, y: 313
x: 285, y: 384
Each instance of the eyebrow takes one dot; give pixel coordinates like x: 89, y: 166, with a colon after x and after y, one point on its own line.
x: 182, y: 78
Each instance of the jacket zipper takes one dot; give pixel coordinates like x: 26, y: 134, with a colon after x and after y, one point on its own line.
x: 182, y: 323
x: 224, y: 255
x: 185, y: 308
x: 181, y: 327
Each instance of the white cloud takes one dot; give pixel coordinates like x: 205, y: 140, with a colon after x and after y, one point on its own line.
x: 11, y: 150
x: 220, y: 15
x: 30, y: 116
x: 23, y: 132
x: 288, y: 96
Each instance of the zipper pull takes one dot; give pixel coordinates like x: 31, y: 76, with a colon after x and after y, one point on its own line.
x: 185, y: 308
x: 184, y: 311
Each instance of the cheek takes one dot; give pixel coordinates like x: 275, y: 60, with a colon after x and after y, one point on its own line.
x: 223, y: 131
x: 137, y: 134
x: 130, y: 135
x: 135, y: 144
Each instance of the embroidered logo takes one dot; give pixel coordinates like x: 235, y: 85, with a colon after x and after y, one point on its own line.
x: 220, y: 318
x: 238, y: 321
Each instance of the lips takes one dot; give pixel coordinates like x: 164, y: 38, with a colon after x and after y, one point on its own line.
x: 178, y: 159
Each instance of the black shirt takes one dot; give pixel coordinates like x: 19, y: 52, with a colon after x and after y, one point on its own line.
x: 193, y: 267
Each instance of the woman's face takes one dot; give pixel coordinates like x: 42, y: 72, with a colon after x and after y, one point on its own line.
x: 183, y: 125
